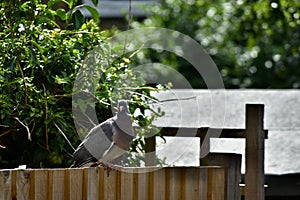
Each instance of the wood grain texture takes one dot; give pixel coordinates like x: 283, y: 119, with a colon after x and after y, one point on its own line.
x: 255, y: 145
x: 127, y: 183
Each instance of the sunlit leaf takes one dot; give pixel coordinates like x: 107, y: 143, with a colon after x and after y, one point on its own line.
x: 61, y: 13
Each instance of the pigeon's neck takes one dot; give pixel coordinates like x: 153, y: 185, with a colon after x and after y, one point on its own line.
x: 125, y: 124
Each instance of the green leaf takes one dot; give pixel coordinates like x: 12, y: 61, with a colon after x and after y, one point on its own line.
x: 61, y: 13
x: 71, y: 3
x: 25, y: 6
x: 95, y: 2
x: 59, y: 80
x: 13, y: 63
x: 78, y: 19
x: 52, y: 2
x: 32, y: 55
x: 93, y: 12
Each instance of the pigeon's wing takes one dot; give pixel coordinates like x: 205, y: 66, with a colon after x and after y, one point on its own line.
x: 94, y: 145
x: 123, y: 133
x: 82, y: 157
x: 121, y: 143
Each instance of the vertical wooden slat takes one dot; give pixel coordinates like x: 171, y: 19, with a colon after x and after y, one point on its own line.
x: 5, y: 184
x: 101, y: 183
x: 203, y: 183
x: 39, y: 184
x: 210, y: 185
x: 58, y: 184
x: 126, y: 184
x: 85, y: 184
x: 31, y: 184
x: 135, y: 187
x: 143, y: 185
x: 167, y: 183
x: 13, y: 185
x: 118, y: 185
x: 175, y: 184
x: 111, y: 184
x: 190, y: 180
x: 182, y: 182
x: 254, y: 177
x: 50, y: 184
x: 75, y: 184
x: 150, y: 185
x: 93, y: 183
x: 216, y: 181
x: 22, y: 179
x: 159, y: 181
x: 67, y: 184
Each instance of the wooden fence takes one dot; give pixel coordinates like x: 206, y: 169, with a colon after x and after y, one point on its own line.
x: 255, y: 136
x: 204, y: 183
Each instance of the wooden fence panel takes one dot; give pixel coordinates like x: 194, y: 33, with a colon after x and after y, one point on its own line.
x: 204, y: 183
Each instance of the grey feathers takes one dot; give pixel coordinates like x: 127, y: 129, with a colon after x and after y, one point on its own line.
x: 108, y: 140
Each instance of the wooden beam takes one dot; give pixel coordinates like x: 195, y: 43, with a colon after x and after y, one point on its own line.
x: 201, y: 132
x: 255, y: 140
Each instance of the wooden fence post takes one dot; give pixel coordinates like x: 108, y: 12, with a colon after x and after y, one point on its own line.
x: 150, y: 156
x: 255, y: 138
x: 232, y: 164
x: 204, y: 147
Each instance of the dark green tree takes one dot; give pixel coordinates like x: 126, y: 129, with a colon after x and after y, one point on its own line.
x: 255, y: 44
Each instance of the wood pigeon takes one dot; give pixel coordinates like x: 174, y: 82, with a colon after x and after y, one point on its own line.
x: 106, y: 141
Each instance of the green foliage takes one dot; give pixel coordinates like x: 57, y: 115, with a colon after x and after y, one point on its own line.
x: 254, y: 43
x: 39, y: 61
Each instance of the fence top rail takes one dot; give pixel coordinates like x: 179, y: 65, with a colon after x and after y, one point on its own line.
x: 201, y: 132
x: 124, y: 169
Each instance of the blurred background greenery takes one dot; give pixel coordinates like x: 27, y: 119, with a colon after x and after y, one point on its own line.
x: 254, y: 43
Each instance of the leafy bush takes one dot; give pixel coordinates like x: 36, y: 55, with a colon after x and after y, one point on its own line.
x: 39, y: 62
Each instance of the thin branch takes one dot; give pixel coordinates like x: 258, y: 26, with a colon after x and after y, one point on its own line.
x: 6, y: 132
x: 26, y: 127
x: 91, y: 121
x: 86, y: 115
x: 5, y: 126
x: 167, y: 100
x: 64, y: 136
x: 147, y: 97
x: 140, y: 88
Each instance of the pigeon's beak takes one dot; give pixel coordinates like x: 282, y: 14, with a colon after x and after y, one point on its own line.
x: 121, y: 108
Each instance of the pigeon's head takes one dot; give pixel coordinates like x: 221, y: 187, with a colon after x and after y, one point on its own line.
x: 123, y: 107
x: 123, y: 118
